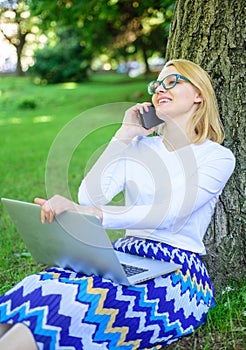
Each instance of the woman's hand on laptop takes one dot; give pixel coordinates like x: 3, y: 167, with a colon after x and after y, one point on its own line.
x: 56, y: 205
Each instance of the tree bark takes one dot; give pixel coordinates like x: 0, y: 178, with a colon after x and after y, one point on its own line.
x: 212, y: 34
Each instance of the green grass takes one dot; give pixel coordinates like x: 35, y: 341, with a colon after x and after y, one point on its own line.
x: 31, y: 118
x: 225, y: 328
x: 227, y: 322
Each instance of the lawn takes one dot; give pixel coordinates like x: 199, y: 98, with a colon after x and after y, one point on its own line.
x: 31, y: 119
x: 82, y: 118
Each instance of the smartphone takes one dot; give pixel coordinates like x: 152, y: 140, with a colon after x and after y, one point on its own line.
x: 150, y: 119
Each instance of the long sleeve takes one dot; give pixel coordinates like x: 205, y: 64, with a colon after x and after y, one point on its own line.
x: 106, y: 178
x: 169, y: 196
x: 203, y: 187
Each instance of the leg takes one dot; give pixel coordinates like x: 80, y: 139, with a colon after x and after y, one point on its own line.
x: 16, y: 335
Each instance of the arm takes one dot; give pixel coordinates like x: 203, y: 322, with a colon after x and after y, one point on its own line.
x: 202, y: 187
x: 106, y: 178
x: 57, y: 204
x: 110, y: 165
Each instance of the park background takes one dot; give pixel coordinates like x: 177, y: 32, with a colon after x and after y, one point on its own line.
x: 62, y: 59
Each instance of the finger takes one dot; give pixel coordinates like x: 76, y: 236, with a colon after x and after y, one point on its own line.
x: 49, y: 214
x: 146, y: 106
x: 51, y: 217
x: 43, y: 216
x: 143, y: 107
x: 46, y: 212
x: 140, y: 108
x: 39, y: 201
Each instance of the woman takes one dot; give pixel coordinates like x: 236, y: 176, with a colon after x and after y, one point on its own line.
x: 171, y: 182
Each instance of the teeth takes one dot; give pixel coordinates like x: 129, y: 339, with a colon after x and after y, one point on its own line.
x: 164, y: 100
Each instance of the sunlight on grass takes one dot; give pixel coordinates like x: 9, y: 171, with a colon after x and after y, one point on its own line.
x: 11, y: 121
x: 43, y: 119
x: 15, y: 121
x: 69, y: 85
x: 35, y: 120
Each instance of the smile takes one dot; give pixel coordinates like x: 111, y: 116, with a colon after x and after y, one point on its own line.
x: 164, y: 100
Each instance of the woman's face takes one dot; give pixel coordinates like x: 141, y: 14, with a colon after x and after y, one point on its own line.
x: 180, y: 101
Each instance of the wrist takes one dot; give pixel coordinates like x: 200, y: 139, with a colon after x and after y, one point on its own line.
x: 123, y: 135
x: 97, y: 212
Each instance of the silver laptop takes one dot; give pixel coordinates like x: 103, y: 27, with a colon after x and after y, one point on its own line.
x: 79, y: 242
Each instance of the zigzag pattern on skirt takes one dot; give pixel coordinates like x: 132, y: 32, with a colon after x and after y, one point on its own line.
x: 66, y: 310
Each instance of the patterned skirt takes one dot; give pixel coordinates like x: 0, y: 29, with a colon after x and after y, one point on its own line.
x: 66, y: 310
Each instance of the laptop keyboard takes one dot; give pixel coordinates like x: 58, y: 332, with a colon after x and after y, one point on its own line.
x: 132, y: 270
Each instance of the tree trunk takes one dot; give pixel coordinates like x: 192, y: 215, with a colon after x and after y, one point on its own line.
x: 19, y: 49
x: 145, y: 57
x: 212, y: 34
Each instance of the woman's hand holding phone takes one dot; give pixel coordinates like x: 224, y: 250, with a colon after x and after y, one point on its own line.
x: 132, y: 125
x: 149, y: 118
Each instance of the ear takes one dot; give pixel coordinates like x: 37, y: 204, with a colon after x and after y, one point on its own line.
x: 198, y: 98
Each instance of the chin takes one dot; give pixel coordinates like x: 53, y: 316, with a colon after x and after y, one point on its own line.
x: 161, y: 114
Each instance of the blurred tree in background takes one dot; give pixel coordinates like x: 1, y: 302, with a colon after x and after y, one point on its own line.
x: 16, y: 24
x: 116, y: 30
x: 67, y: 60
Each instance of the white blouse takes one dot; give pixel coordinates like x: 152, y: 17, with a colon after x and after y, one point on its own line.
x: 169, y: 196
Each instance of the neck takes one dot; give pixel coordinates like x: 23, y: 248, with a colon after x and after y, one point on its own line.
x: 175, y: 136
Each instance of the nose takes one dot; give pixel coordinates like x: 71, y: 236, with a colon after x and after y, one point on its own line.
x: 160, y: 89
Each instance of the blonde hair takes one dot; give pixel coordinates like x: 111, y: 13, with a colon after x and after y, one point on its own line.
x: 205, y: 123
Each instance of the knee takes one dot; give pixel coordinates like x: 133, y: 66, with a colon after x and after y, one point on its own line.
x: 4, y: 328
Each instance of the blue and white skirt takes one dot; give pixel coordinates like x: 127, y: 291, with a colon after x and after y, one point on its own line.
x: 66, y: 310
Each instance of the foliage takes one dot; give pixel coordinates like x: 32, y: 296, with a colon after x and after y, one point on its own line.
x: 68, y: 60
x: 16, y: 24
x: 117, y: 27
x: 28, y: 103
